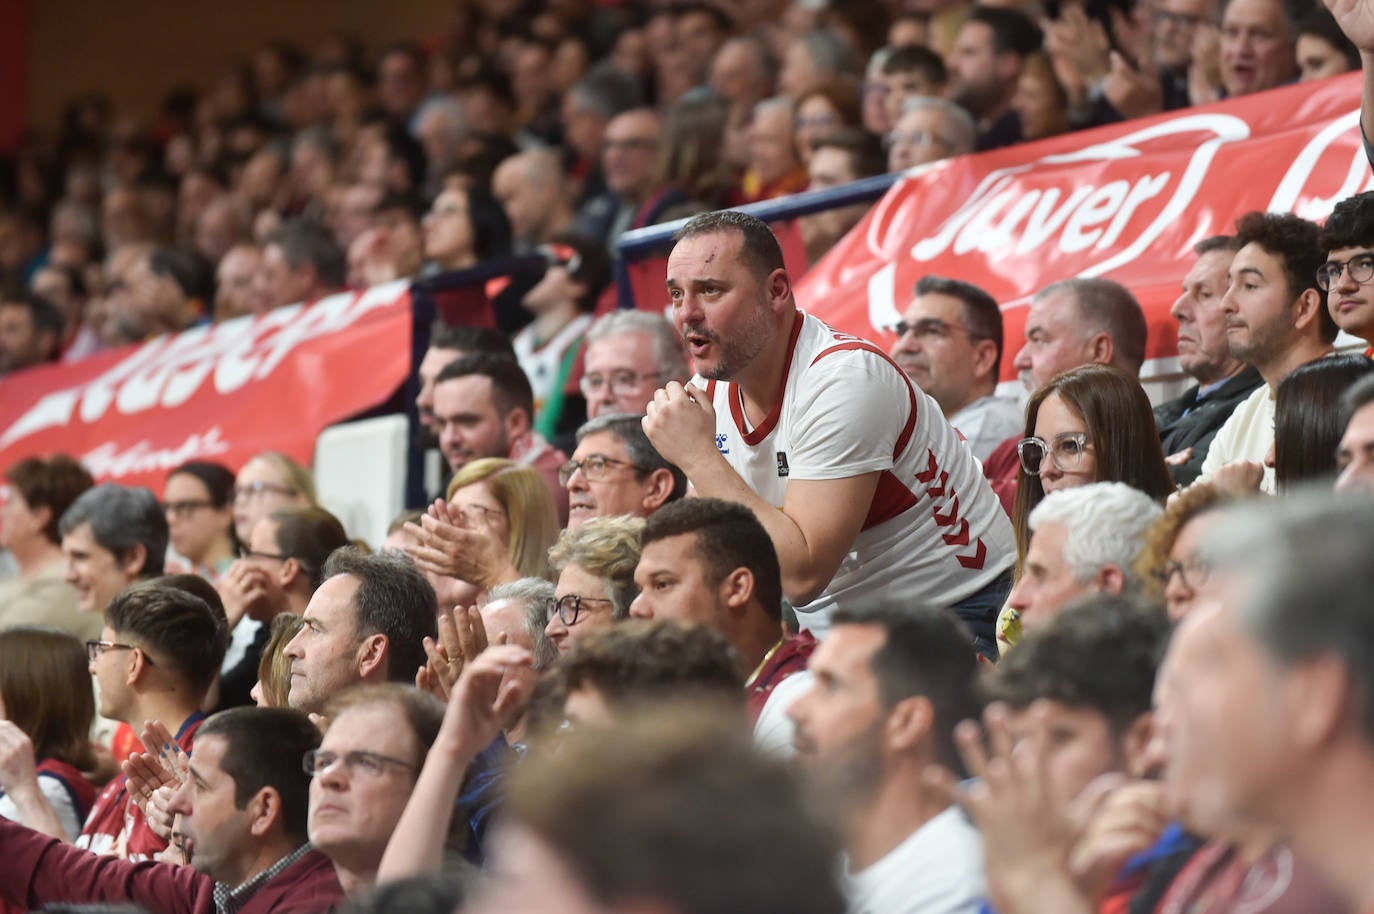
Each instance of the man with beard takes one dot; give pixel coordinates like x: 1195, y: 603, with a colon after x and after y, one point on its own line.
x: 985, y: 66
x: 864, y: 488
x: 484, y: 407
x: 1276, y: 320
x: 891, y: 683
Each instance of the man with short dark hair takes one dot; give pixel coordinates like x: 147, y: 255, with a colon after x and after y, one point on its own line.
x: 842, y: 157
x: 484, y: 407
x: 243, y: 807
x: 616, y: 470
x: 710, y: 561
x: 1089, y: 673
x: 1188, y: 425
x: 877, y: 493
x: 1347, y: 276
x: 1276, y: 320
x: 112, y: 535
x: 984, y: 67
x: 638, y: 662
x: 446, y: 343
x: 912, y: 71
x: 156, y: 658
x: 301, y: 262
x: 366, y: 623
x: 31, y: 331
x: 892, y: 682
x: 950, y: 341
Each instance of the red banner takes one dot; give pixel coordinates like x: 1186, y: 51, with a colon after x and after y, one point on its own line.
x: 1126, y: 202
x: 221, y: 392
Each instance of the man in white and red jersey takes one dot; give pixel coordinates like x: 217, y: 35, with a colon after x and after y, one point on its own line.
x: 866, y: 491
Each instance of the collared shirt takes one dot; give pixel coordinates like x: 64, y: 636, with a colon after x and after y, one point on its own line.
x: 231, y: 900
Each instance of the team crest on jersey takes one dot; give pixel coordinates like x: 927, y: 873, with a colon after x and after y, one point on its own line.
x: 720, y: 443
x: 782, y: 464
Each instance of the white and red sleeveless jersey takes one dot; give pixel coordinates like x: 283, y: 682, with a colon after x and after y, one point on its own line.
x: 934, y: 533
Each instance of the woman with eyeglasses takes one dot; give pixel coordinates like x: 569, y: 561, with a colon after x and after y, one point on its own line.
x: 1169, y: 562
x: 46, y: 702
x: 596, y: 577
x: 198, y: 500
x: 496, y: 525
x: 269, y: 481
x: 1090, y: 424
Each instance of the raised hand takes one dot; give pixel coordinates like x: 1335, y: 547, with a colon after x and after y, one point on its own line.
x: 1356, y: 19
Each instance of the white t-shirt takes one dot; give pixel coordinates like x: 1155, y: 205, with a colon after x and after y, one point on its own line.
x: 542, y: 364
x: 61, y: 800
x: 1246, y: 435
x: 938, y: 869
x: 935, y: 532
x: 987, y: 422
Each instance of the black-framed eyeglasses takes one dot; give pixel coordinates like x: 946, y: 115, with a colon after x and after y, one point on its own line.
x: 1193, y: 573
x: 622, y: 383
x: 569, y: 606
x: 185, y: 508
x: 357, y: 762
x: 1359, y: 268
x: 930, y: 328
x: 1065, y: 452
x: 259, y: 487
x: 96, y: 647
x: 594, y: 467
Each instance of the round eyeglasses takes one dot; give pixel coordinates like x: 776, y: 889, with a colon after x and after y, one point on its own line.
x: 1065, y: 452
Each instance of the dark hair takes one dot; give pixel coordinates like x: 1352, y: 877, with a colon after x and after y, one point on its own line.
x: 422, y: 712
x: 49, y: 482
x: 925, y: 652
x: 593, y: 266
x: 1357, y: 396
x: 842, y: 94
x: 304, y: 241
x: 1216, y: 243
x: 217, y: 479
x: 1308, y: 422
x: 629, y: 430
x: 47, y: 693
x: 726, y: 536
x: 1100, y: 653
x: 180, y: 628
x: 428, y: 893
x: 759, y: 247
x: 1297, y: 243
x: 45, y: 316
x: 916, y: 59
x: 193, y: 275
x: 704, y: 801
x: 122, y: 517
x: 198, y: 586
x: 490, y: 227
x: 719, y: 18
x: 264, y: 747
x: 470, y: 338
x: 866, y: 155
x: 393, y: 599
x: 640, y: 660
x: 510, y: 386
x: 980, y: 311
x: 1121, y: 428
x: 400, y: 145
x: 310, y: 536
x: 1351, y: 223
x: 1319, y: 22
x: 1012, y: 31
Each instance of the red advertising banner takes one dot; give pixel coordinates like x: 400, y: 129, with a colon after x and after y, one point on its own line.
x: 221, y: 392
x: 1126, y: 202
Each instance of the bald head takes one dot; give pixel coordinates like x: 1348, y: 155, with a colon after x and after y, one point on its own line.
x: 532, y: 189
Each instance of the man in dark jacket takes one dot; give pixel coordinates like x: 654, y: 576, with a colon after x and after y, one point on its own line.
x: 1188, y: 425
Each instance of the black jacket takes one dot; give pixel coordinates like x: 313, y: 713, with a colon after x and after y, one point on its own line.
x: 1197, y: 429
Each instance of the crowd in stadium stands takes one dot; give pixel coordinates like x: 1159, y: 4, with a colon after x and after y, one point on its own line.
x: 721, y: 612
